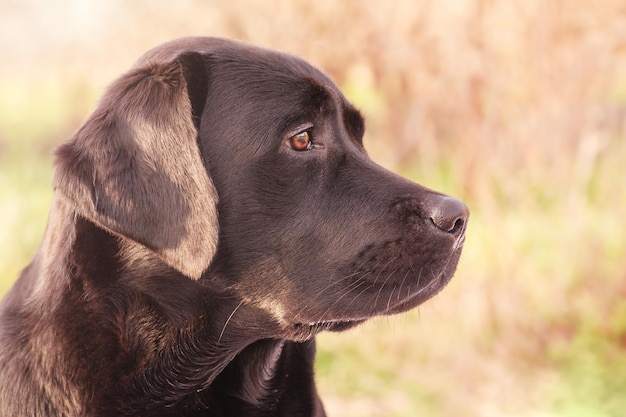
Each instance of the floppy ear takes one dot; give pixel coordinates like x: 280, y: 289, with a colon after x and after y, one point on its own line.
x: 135, y: 168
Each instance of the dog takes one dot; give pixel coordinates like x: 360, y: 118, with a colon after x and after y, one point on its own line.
x: 214, y: 213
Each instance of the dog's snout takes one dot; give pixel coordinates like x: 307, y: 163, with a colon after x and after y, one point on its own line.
x: 449, y: 215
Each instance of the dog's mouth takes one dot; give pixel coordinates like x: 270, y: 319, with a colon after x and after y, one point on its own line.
x: 300, y: 331
x: 332, y: 325
x: 381, y: 301
x: 307, y: 330
x: 369, y: 293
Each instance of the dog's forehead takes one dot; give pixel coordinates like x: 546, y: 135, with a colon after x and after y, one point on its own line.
x: 272, y: 78
x: 169, y: 51
x: 260, y: 65
x: 250, y: 62
x: 234, y: 51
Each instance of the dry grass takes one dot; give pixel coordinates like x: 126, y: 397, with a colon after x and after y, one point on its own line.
x: 517, y: 107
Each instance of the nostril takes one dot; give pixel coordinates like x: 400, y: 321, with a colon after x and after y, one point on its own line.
x: 450, y: 216
x: 454, y: 227
x: 458, y: 226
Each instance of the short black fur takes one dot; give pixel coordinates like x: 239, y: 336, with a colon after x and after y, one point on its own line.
x: 192, y: 254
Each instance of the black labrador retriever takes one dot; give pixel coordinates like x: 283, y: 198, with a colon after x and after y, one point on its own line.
x: 214, y: 213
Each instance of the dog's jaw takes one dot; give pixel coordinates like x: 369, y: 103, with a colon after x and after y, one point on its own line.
x: 297, y: 323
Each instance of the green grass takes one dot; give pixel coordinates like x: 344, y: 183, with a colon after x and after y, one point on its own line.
x: 28, y: 131
x: 25, y: 195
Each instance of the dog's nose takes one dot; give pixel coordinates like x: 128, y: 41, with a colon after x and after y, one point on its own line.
x: 450, y: 215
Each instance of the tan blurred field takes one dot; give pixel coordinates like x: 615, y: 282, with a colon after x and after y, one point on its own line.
x: 518, y: 107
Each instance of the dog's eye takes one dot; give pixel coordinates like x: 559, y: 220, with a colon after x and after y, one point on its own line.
x: 301, y: 141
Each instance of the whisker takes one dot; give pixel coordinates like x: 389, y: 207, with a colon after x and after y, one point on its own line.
x: 384, y: 283
x: 337, y: 282
x: 347, y: 291
x: 402, y: 284
x: 321, y: 292
x: 228, y: 321
x: 357, y: 296
x: 382, y: 269
x: 390, y: 297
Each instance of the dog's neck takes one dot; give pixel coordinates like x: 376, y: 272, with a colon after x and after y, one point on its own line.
x: 257, y: 375
x: 230, y: 358
x: 251, y: 373
x: 264, y: 373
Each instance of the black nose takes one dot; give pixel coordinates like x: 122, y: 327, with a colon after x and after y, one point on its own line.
x: 449, y: 215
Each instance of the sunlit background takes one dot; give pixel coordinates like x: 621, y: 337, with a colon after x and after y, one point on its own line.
x: 517, y: 107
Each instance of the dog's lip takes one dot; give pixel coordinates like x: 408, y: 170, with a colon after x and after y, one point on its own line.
x: 334, y: 325
x: 422, y: 295
x: 307, y: 329
x: 332, y: 322
x: 413, y: 300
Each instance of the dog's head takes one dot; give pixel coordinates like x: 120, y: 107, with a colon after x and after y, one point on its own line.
x: 207, y: 134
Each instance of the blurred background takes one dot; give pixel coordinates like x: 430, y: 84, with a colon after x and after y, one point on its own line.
x: 517, y: 107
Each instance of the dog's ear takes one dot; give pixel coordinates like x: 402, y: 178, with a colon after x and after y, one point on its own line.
x: 135, y: 167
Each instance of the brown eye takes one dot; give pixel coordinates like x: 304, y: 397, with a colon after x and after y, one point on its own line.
x: 301, y: 142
